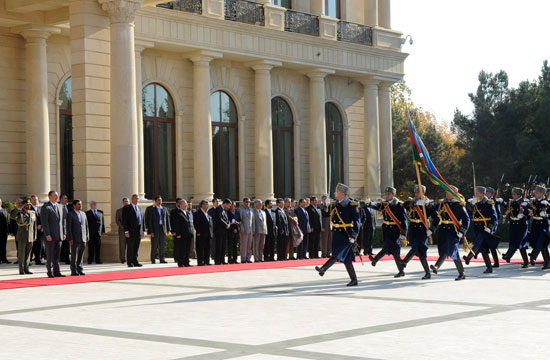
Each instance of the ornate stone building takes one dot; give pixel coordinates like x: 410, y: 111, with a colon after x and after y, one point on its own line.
x: 104, y: 98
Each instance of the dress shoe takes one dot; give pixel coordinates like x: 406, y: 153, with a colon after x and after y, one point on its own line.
x: 399, y: 274
x: 81, y: 273
x: 181, y: 265
x: 164, y: 262
x: 533, y: 262
x: 130, y: 265
x: 58, y: 275
x: 546, y: 267
x: 466, y: 260
x: 21, y: 273
x: 352, y: 283
x: 138, y: 265
x: 50, y: 275
x: 74, y: 274
x: 434, y: 269
x: 122, y: 261
x: 153, y: 262
x: 6, y: 262
x: 372, y: 260
x: 488, y: 271
x: 496, y: 265
x: 66, y: 263
x: 15, y: 262
x: 320, y: 271
x: 427, y: 276
x: 524, y: 266
x: 99, y: 262
x: 39, y: 262
x: 28, y: 272
x: 460, y: 277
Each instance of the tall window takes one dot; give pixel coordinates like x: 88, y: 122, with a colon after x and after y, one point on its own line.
x: 224, y: 145
x: 284, y: 3
x: 159, y: 142
x: 66, y: 139
x: 283, y: 148
x: 335, y: 145
x: 332, y: 8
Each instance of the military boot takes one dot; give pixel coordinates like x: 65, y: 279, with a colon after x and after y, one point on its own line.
x: 321, y: 270
x: 460, y: 269
x: 351, y: 273
x: 424, y: 263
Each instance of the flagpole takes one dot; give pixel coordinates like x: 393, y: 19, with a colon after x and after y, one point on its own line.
x: 416, y: 165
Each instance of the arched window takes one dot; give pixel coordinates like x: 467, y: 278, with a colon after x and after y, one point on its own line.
x: 66, y: 138
x: 332, y: 8
x: 283, y: 148
x: 335, y: 145
x: 159, y: 142
x: 224, y: 145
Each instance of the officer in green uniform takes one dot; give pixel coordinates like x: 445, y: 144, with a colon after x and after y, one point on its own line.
x: 25, y: 236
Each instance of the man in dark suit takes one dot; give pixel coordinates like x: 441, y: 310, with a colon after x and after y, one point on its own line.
x: 316, y: 223
x: 203, y: 227
x: 77, y: 235
x: 65, y: 246
x: 54, y: 226
x: 157, y: 224
x: 366, y: 232
x: 221, y: 225
x: 121, y: 237
x: 304, y: 225
x: 96, y: 224
x: 282, y: 230
x: 232, y: 234
x: 133, y: 221
x: 182, y: 229
x: 269, y: 248
x: 12, y: 226
x: 4, y: 229
x: 37, y: 245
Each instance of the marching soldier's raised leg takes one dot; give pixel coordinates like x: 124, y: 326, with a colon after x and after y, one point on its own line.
x: 345, y: 220
x: 375, y: 259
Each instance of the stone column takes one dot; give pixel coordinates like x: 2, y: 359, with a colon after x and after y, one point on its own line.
x: 139, y: 47
x: 263, y: 137
x: 371, y: 12
x: 37, y: 124
x: 317, y: 7
x: 386, y: 142
x: 371, y: 136
x: 124, y: 120
x: 384, y: 13
x: 202, y: 126
x: 317, y: 133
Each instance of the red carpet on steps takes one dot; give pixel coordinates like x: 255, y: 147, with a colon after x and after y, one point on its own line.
x: 176, y: 271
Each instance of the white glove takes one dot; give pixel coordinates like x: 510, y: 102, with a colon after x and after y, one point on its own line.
x: 499, y: 200
x: 420, y: 202
x: 460, y: 235
x: 401, y: 237
x: 368, y: 202
x: 543, y: 213
x: 472, y: 201
x: 520, y: 216
x: 525, y: 203
x: 544, y: 202
x: 487, y: 230
x: 351, y: 240
x: 429, y: 233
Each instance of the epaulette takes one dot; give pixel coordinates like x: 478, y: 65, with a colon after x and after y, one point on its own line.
x: 491, y: 201
x: 354, y: 203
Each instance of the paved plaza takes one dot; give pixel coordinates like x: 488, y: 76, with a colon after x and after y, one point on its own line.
x: 285, y: 313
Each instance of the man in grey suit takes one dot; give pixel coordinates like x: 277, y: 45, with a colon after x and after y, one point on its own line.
x: 53, y: 224
x: 259, y: 230
x: 245, y: 219
x: 121, y: 237
x: 78, y: 235
x: 157, y: 223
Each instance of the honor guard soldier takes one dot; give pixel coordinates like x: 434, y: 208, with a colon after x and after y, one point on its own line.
x: 485, y: 218
x: 26, y: 235
x: 394, y: 228
x: 517, y: 214
x: 498, y: 202
x: 540, y: 233
x: 345, y: 222
x: 423, y: 220
x: 453, y: 226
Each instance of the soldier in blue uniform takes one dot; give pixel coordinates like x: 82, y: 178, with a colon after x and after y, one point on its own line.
x: 498, y: 208
x: 540, y: 234
x: 394, y: 228
x: 517, y: 214
x: 453, y: 225
x: 345, y: 223
x: 421, y: 227
x: 485, y: 218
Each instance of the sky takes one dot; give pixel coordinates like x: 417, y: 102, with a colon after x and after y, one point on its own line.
x: 454, y: 40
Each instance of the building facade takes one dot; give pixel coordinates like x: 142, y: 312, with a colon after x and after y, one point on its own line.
x: 195, y: 98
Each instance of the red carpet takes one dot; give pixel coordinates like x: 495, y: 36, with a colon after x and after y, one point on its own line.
x: 175, y: 271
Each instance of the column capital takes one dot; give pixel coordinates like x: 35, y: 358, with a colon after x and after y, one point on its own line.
x: 140, y: 45
x: 369, y: 81
x: 203, y: 57
x: 318, y: 73
x: 385, y: 85
x: 120, y: 11
x: 263, y: 65
x: 35, y: 32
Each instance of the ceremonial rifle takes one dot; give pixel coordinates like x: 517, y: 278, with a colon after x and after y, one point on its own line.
x: 499, y: 186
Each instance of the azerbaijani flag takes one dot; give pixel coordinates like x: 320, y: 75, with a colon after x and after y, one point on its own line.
x: 422, y: 157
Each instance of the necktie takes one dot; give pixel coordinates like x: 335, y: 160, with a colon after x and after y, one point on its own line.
x: 56, y: 209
